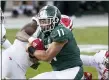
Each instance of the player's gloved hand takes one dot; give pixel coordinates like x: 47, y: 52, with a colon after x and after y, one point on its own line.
x: 30, y: 49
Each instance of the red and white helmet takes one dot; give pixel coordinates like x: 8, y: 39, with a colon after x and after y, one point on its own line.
x: 67, y: 22
x: 106, y: 59
x: 104, y: 54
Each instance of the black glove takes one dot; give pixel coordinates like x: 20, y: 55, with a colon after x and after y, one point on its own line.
x: 31, y: 50
x: 35, y: 65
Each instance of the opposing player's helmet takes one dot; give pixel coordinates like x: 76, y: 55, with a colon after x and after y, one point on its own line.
x: 106, y: 59
x: 67, y: 22
x: 1, y: 17
x: 48, y: 17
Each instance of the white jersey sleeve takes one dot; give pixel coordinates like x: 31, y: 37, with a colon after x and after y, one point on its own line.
x: 100, y: 58
x: 2, y: 31
x: 88, y: 60
x: 5, y: 42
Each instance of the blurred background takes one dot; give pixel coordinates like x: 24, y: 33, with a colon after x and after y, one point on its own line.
x: 69, y: 8
x: 90, y: 22
x: 84, y: 13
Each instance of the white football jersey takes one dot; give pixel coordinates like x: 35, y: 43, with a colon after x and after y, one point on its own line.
x: 100, y: 58
x: 2, y: 28
x: 3, y: 41
x: 97, y: 61
x: 2, y: 31
x: 18, y: 53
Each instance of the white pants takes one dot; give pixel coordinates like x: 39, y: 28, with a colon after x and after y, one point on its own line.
x: 64, y: 74
x: 10, y: 69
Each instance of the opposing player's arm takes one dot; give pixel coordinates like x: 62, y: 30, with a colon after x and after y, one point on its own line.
x: 30, y: 28
x: 27, y: 31
x: 88, y: 60
x: 51, y: 52
x: 5, y: 42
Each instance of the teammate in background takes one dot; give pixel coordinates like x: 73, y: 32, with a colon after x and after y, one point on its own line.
x: 3, y: 40
x: 57, y: 41
x: 100, y: 62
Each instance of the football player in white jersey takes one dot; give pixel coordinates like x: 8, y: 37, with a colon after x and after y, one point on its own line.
x: 3, y: 40
x: 100, y: 62
x: 15, y: 59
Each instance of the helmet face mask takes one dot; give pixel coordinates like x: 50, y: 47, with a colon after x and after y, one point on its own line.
x: 45, y: 24
x: 47, y: 18
x: 48, y: 24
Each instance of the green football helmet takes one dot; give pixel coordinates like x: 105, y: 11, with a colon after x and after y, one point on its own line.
x: 48, y: 17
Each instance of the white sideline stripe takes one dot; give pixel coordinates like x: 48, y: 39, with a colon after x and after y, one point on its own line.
x: 90, y: 47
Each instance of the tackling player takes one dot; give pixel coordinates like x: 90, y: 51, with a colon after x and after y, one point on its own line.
x: 15, y: 59
x: 3, y: 40
x: 61, y: 56
x: 100, y: 62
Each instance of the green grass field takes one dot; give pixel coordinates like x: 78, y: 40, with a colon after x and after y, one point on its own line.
x: 98, y: 35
